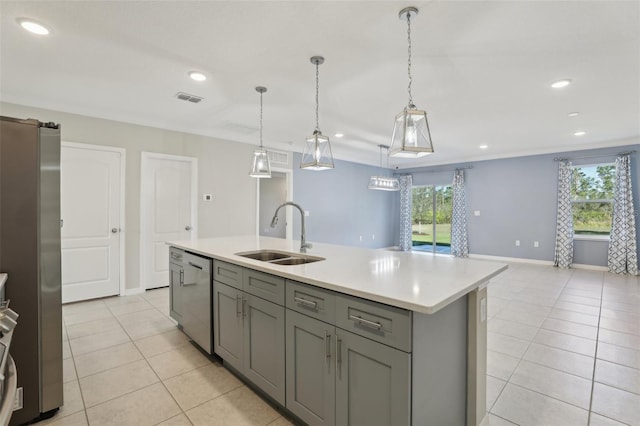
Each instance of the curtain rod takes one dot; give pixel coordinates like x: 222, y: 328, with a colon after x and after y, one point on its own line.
x: 592, y: 156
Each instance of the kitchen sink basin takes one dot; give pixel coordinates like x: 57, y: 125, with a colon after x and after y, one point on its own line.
x: 280, y: 257
x: 264, y: 255
x: 296, y: 260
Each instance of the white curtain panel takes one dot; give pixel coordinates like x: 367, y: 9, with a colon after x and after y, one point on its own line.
x: 623, y: 255
x: 406, y: 194
x: 459, y: 239
x: 564, y: 219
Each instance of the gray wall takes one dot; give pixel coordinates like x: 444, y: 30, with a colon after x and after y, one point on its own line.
x: 516, y: 198
x: 341, y: 208
x: 273, y: 192
x: 223, y: 170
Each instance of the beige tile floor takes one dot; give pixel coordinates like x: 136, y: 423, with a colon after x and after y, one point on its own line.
x: 125, y: 363
x: 564, y: 349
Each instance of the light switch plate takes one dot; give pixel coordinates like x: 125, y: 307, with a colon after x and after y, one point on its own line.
x: 476, y: 212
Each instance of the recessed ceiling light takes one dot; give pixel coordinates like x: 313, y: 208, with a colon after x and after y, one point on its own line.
x: 573, y: 114
x: 33, y: 27
x: 339, y: 135
x: 561, y: 83
x: 197, y: 76
x: 484, y: 146
x: 579, y: 133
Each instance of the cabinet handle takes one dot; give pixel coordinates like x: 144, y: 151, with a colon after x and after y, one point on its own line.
x: 195, y: 266
x: 305, y: 302
x: 338, y: 356
x: 238, y: 306
x: 365, y: 322
x: 181, y: 277
x: 244, y: 307
x: 327, y: 344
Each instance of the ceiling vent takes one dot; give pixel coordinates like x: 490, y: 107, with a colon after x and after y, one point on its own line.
x: 190, y: 98
x: 278, y: 157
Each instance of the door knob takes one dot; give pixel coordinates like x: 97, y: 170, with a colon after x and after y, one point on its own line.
x: 187, y: 228
x: 114, y: 230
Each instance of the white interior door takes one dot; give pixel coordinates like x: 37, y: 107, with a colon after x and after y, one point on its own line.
x: 91, y: 179
x: 167, y: 212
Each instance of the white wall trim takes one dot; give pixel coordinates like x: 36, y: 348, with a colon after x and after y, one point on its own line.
x: 145, y: 157
x: 133, y: 291
x: 536, y: 262
x: 511, y: 259
x: 121, y: 214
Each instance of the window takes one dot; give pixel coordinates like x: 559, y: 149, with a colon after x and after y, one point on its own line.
x: 431, y: 202
x: 592, y: 199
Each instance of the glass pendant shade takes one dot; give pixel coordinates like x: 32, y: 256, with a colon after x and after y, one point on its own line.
x: 261, y: 167
x: 411, y: 136
x: 317, y: 153
x: 384, y: 183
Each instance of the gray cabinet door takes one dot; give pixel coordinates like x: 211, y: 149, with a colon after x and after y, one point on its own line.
x: 227, y: 311
x: 310, y: 369
x: 264, y: 351
x: 175, y: 294
x: 372, y: 382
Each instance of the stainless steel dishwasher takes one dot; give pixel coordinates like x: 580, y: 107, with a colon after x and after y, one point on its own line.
x: 195, y: 300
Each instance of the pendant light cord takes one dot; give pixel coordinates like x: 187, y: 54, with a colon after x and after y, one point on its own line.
x: 317, y: 90
x: 409, y: 62
x: 260, y: 119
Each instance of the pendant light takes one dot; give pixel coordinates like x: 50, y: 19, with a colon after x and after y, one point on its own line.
x: 317, y: 148
x: 384, y: 183
x: 411, y: 136
x: 261, y: 167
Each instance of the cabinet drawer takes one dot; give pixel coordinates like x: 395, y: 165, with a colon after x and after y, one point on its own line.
x: 268, y: 287
x: 227, y: 273
x: 313, y: 301
x: 382, y: 323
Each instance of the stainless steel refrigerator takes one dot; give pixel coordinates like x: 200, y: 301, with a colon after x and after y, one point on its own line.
x: 30, y: 255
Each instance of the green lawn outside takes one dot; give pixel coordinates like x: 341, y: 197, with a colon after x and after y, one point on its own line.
x: 424, y: 233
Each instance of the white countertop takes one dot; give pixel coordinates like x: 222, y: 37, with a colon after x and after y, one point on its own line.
x: 415, y: 281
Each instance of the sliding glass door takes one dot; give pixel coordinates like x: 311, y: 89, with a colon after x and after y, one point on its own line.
x: 431, y: 217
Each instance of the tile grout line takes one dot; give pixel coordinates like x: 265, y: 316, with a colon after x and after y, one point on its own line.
x: 595, y: 356
x: 508, y: 381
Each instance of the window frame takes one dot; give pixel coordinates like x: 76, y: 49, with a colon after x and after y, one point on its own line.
x: 590, y: 237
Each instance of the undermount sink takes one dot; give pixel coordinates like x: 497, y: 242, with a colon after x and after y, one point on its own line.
x: 280, y: 257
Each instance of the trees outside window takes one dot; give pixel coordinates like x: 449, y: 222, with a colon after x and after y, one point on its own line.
x: 592, y: 199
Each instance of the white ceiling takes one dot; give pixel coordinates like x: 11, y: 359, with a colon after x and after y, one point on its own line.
x: 481, y: 69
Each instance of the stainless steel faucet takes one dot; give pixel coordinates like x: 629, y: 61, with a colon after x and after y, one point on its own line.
x: 304, y: 245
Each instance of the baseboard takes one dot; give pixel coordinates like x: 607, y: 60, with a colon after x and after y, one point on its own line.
x: 511, y: 259
x: 132, y: 291
x: 590, y: 267
x: 536, y: 262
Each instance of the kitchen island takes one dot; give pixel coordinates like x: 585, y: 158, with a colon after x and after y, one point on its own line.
x: 360, y: 337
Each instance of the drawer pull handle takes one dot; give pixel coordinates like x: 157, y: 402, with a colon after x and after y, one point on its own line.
x: 195, y: 266
x: 238, y: 305
x: 371, y: 324
x: 305, y: 302
x: 327, y: 345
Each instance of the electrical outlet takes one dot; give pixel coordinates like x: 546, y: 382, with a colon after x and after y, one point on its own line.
x: 517, y: 243
x: 207, y: 197
x: 536, y: 244
x: 373, y: 236
x: 306, y: 213
x: 17, y: 402
x: 476, y: 212
x: 360, y: 237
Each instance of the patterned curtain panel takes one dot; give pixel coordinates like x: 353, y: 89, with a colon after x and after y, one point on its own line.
x: 406, y: 194
x: 564, y: 222
x: 623, y: 255
x: 459, y: 242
